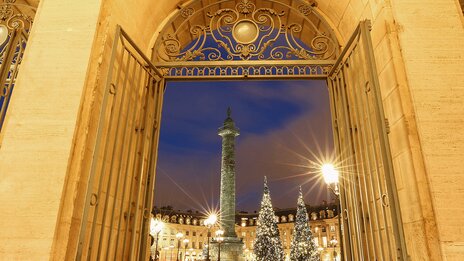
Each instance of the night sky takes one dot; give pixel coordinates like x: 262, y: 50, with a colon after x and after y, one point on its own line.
x: 282, y: 124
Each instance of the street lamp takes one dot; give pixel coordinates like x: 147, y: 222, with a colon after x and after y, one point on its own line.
x: 331, y: 178
x: 178, y: 236
x: 219, y: 239
x: 209, y: 223
x: 156, y: 226
x: 171, y: 247
x: 330, y: 175
x: 334, y: 242
x: 185, y: 241
x: 165, y: 252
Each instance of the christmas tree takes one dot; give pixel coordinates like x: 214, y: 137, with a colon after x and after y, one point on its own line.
x: 267, y: 245
x: 303, y: 247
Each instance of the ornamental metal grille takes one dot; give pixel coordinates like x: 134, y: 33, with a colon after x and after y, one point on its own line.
x: 15, y: 23
x: 289, y: 33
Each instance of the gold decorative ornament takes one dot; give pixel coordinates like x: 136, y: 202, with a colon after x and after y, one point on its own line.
x: 237, y: 30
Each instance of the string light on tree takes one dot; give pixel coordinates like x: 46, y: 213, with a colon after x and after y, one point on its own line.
x: 302, y: 247
x: 267, y: 245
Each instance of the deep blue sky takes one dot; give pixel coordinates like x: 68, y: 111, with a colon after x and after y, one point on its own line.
x: 281, y: 122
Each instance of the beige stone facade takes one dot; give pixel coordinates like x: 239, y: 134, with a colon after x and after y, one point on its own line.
x: 50, y: 128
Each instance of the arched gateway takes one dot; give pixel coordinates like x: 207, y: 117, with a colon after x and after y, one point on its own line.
x: 239, y: 39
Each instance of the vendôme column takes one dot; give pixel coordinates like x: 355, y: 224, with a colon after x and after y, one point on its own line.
x: 231, y: 248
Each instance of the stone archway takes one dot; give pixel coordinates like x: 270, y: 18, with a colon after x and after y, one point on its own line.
x: 420, y: 136
x: 240, y: 39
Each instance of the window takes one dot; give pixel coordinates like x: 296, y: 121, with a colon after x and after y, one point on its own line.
x: 323, y: 229
x: 332, y: 228
x: 187, y: 233
x: 324, y: 241
x: 243, y: 234
x: 194, y: 233
x: 316, y: 241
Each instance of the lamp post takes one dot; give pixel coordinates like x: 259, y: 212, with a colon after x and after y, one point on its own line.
x: 185, y: 241
x: 165, y: 252
x: 330, y: 175
x: 179, y: 236
x: 156, y: 226
x: 219, y: 239
x: 209, y: 223
x: 333, y: 243
x: 171, y: 247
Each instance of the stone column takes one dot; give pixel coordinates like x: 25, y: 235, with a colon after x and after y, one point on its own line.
x: 39, y: 130
x: 228, y: 132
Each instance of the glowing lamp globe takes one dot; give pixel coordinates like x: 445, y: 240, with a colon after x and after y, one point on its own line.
x: 329, y: 173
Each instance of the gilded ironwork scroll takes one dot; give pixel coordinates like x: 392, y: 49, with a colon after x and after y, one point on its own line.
x: 231, y: 30
x: 15, y: 23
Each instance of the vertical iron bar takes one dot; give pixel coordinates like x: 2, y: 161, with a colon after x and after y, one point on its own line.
x: 347, y: 158
x: 82, y: 233
x: 105, y: 154
x: 386, y: 153
x: 345, y: 180
x: 129, y: 174
x: 137, y: 169
x: 345, y: 252
x: 358, y: 150
x: 376, y: 178
x: 153, y: 160
x: 129, y: 120
x: 150, y: 151
x: 350, y: 158
x: 364, y: 144
x: 138, y: 191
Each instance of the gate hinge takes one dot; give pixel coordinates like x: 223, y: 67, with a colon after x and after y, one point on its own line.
x: 387, y: 126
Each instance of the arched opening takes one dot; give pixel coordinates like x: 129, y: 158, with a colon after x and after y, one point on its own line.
x: 255, y: 39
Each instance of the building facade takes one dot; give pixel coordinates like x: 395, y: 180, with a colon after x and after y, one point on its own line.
x: 323, y: 223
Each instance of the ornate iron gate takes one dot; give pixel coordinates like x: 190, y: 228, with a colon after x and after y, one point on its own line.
x: 371, y: 216
x: 121, y: 182
x: 15, y: 24
x: 120, y: 186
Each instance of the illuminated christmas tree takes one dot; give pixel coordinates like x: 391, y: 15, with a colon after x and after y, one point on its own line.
x: 303, y: 247
x: 267, y: 245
